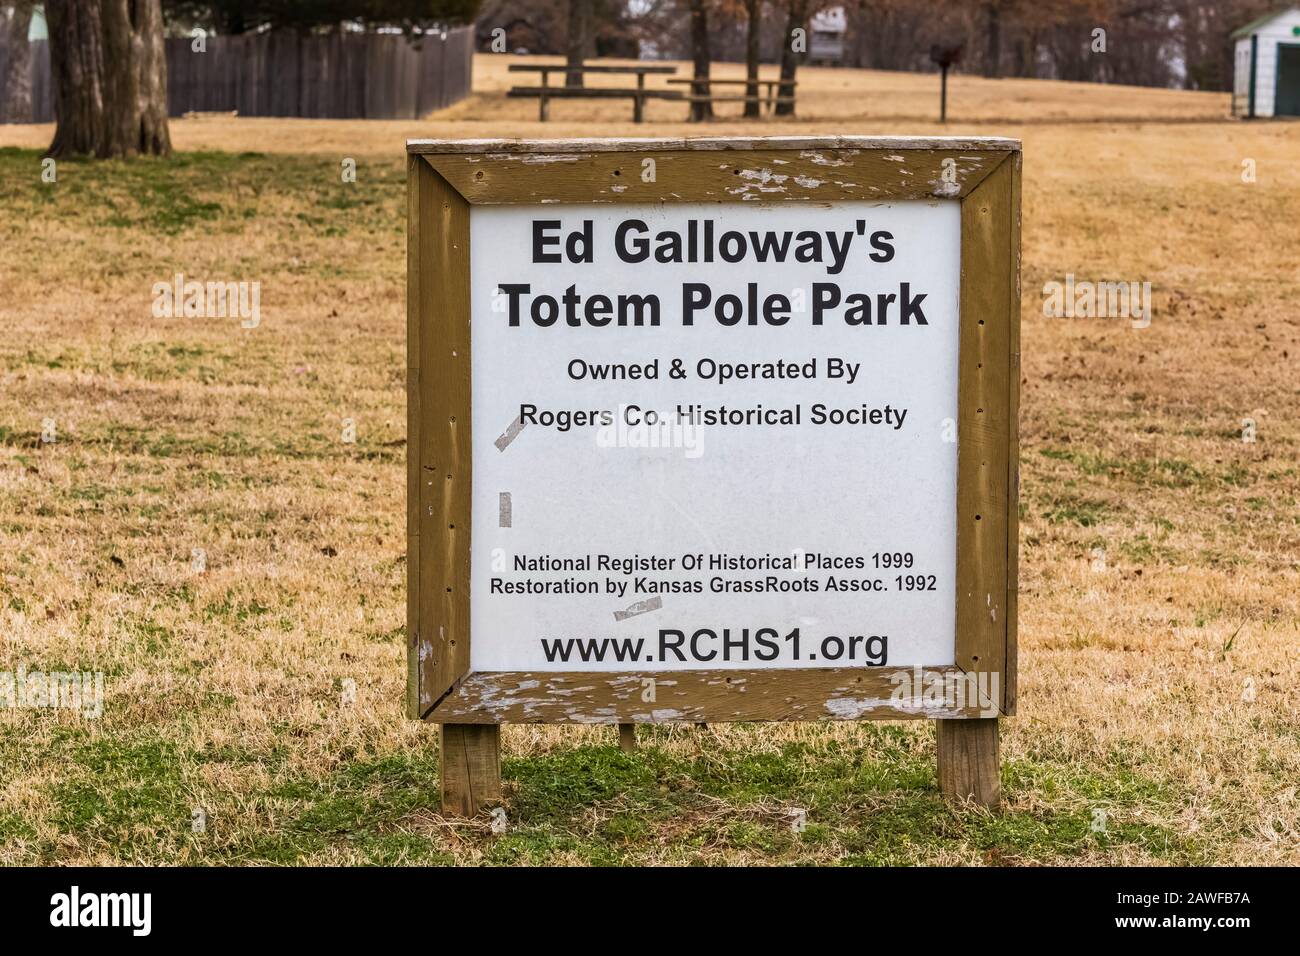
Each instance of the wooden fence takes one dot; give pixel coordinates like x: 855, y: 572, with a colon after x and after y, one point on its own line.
x: 342, y: 76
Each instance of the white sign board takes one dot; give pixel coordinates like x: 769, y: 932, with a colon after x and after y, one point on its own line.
x: 714, y: 436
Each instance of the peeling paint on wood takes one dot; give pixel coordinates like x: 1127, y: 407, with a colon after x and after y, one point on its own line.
x: 581, y: 697
x: 583, y: 171
x: 808, y: 144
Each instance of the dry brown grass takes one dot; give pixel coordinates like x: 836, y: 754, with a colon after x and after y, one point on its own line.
x: 224, y: 686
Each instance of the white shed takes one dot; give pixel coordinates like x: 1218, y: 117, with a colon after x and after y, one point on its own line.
x: 827, y: 41
x: 1266, y: 66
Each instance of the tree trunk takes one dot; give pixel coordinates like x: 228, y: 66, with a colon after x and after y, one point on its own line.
x: 753, y: 10
x: 579, y: 27
x: 16, y: 84
x: 76, y: 69
x: 121, y: 81
x: 1031, y: 54
x: 857, y: 52
x: 155, y: 134
x: 993, y: 48
x: 110, y: 77
x: 701, y: 109
x: 797, y: 19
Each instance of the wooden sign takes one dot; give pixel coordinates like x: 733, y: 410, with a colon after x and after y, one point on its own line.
x: 712, y: 430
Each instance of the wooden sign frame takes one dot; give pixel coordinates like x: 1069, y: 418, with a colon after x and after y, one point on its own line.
x: 445, y: 178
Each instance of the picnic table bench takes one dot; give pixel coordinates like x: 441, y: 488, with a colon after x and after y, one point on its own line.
x: 770, y: 98
x: 638, y: 94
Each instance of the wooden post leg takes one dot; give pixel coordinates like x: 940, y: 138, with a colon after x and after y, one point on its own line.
x: 627, y: 737
x: 470, y: 764
x: 541, y: 108
x: 969, y: 767
x: 638, y: 108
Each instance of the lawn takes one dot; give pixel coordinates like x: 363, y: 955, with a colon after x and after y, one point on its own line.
x: 261, y: 682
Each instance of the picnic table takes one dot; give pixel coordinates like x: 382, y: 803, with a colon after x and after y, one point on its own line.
x: 771, y: 99
x: 638, y: 94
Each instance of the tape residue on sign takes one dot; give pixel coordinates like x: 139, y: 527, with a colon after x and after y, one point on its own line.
x: 640, y: 607
x: 510, y: 434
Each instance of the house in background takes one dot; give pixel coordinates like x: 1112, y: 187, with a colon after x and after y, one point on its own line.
x: 826, y: 40
x: 1266, y: 66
